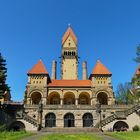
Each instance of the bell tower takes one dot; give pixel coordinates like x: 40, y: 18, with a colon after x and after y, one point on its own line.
x: 69, y: 56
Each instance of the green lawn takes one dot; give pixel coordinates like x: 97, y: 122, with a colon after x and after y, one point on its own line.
x: 125, y: 135
x: 70, y: 137
x: 13, y: 135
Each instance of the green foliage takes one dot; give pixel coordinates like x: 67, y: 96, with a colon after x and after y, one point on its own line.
x: 70, y: 137
x: 13, y: 135
x: 2, y: 127
x: 136, y: 128
x: 3, y: 71
x: 137, y: 59
x: 123, y: 94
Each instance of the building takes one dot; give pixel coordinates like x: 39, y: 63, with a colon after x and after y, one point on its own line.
x: 70, y: 102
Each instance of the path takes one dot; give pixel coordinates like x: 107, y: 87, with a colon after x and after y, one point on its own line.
x: 41, y: 134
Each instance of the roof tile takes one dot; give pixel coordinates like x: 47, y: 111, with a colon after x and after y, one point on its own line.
x: 70, y: 83
x: 38, y: 68
x: 67, y: 33
x: 100, y: 69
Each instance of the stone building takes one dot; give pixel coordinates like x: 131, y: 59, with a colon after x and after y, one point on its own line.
x: 70, y: 102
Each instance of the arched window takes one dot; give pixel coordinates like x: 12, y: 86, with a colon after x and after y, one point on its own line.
x: 84, y: 98
x: 17, y: 126
x: 50, y: 120
x: 102, y: 98
x: 35, y: 97
x: 87, y: 120
x: 69, y: 120
x: 120, y: 126
x: 54, y: 98
x: 69, y: 98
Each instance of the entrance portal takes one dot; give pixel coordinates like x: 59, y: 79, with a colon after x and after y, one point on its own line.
x: 69, y: 120
x: 120, y: 126
x: 87, y: 120
x: 50, y: 120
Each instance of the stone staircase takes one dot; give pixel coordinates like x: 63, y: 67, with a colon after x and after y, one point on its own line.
x: 69, y: 129
x: 29, y: 119
x: 118, y: 115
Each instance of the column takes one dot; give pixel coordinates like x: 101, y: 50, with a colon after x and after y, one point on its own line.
x: 76, y: 101
x: 61, y: 101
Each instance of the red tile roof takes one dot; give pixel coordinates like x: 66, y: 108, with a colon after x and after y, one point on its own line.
x: 137, y: 71
x: 38, y: 68
x: 70, y: 83
x: 100, y: 69
x: 66, y: 35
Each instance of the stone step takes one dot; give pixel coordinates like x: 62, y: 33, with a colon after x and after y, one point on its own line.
x: 69, y: 129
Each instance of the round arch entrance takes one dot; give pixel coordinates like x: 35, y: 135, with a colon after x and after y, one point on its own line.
x: 35, y: 97
x: 87, y: 120
x: 69, y: 98
x: 102, y: 98
x: 84, y: 98
x: 50, y: 120
x: 120, y: 126
x: 69, y: 120
x: 17, y: 126
x: 54, y: 98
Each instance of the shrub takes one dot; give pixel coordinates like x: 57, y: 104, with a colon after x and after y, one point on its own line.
x: 136, y: 128
x: 2, y: 127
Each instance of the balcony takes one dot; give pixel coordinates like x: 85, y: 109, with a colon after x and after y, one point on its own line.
x: 78, y: 107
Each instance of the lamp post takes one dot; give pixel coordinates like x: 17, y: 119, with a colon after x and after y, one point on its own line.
x: 40, y: 110
x: 98, y: 110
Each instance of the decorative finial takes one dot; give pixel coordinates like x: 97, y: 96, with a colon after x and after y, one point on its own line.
x: 69, y: 24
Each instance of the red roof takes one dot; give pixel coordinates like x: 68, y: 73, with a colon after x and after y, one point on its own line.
x: 68, y: 33
x: 38, y: 68
x: 137, y: 71
x: 70, y: 83
x: 100, y: 69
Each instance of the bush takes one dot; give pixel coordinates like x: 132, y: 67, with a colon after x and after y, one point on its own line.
x: 136, y: 128
x: 2, y: 127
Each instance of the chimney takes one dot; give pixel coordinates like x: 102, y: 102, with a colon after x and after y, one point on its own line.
x: 84, y: 66
x: 54, y: 70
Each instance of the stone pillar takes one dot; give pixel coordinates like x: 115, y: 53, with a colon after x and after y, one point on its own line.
x: 61, y: 101
x: 76, y: 101
x: 54, y: 70
x: 84, y: 72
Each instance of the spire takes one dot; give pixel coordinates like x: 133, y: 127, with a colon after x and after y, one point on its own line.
x: 68, y: 33
x: 100, y: 69
x: 38, y: 68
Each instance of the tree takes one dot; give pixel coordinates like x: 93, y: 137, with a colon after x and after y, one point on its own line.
x: 3, y: 74
x: 137, y: 59
x: 123, y: 94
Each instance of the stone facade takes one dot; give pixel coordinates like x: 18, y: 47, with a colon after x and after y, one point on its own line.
x: 71, y: 102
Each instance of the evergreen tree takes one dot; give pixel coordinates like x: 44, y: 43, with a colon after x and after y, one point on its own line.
x: 3, y: 71
x: 137, y: 59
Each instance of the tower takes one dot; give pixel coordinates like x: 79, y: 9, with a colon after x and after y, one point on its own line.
x: 36, y: 89
x: 69, y: 56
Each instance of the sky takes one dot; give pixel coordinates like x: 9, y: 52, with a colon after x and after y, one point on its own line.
x: 30, y: 30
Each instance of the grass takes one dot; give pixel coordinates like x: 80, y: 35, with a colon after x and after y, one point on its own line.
x: 70, y: 137
x: 13, y: 135
x: 125, y: 135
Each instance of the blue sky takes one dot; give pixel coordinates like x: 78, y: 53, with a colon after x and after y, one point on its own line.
x: 108, y: 30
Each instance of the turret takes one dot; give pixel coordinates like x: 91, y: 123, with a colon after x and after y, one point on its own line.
x: 101, y: 76
x: 84, y: 70
x: 54, y: 70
